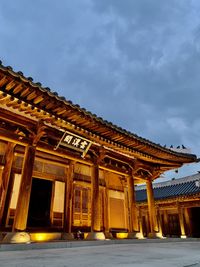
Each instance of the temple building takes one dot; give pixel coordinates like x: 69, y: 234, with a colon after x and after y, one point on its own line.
x: 63, y: 169
x: 177, y: 204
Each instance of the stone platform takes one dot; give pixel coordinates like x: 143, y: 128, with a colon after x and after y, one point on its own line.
x: 108, y: 253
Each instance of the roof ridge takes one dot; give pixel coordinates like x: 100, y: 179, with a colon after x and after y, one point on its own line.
x: 168, y: 183
x: 117, y: 128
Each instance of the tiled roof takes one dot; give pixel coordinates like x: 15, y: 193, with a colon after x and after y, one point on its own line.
x: 98, y: 121
x: 185, y: 186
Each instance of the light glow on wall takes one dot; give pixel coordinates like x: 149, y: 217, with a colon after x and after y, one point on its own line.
x: 15, y: 192
x: 100, y: 236
x: 43, y: 237
x: 121, y: 235
x: 183, y: 236
x: 58, y: 203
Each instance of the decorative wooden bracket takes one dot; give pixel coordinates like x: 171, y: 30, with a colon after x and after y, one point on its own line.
x: 39, y: 133
x: 123, y: 181
x: 141, y: 170
x: 99, y: 156
x: 156, y: 173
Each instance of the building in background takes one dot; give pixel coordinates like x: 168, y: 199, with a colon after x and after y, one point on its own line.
x: 64, y: 170
x: 177, y: 205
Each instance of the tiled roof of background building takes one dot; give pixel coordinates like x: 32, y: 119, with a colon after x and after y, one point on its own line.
x: 184, y: 186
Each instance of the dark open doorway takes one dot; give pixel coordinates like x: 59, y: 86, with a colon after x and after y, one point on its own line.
x: 195, y: 219
x: 40, y: 203
x: 174, y: 225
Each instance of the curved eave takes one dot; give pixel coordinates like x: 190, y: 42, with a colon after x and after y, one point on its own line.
x: 20, y: 88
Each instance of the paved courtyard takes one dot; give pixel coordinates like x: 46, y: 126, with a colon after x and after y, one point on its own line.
x: 137, y: 254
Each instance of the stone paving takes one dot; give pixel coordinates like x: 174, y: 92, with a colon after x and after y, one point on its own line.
x: 162, y: 254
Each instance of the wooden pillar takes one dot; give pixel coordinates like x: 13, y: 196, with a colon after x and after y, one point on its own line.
x: 166, y: 223
x: 68, y: 202
x: 106, y: 215
x: 134, y: 226
x: 9, y: 156
x: 159, y: 218
x: 4, y: 221
x: 181, y: 221
x: 147, y: 222
x: 21, y: 215
x: 188, y: 221
x: 152, y: 211
x: 106, y: 208
x: 95, y: 205
x: 140, y: 223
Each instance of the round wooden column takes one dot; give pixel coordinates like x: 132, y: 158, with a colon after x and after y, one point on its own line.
x: 21, y: 214
x: 134, y: 225
x: 9, y: 156
x: 106, y: 207
x: 181, y: 221
x: 159, y: 219
x: 140, y: 223
x: 166, y: 223
x: 186, y: 213
x: 95, y: 206
x: 68, y: 202
x: 152, y: 210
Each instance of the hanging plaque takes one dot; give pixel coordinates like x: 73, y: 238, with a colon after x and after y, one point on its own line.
x: 75, y: 142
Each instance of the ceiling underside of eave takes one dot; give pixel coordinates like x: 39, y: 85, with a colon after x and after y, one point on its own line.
x: 109, y: 146
x: 20, y: 94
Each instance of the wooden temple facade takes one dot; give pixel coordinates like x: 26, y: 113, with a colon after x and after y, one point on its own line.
x: 64, y: 169
x: 177, y: 206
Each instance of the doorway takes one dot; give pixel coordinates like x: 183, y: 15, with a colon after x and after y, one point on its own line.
x: 40, y: 203
x: 174, y: 225
x: 195, y: 219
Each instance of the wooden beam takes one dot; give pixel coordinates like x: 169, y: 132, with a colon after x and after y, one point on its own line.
x: 31, y: 96
x: 11, y: 137
x: 101, y: 167
x: 2, y: 94
x: 5, y: 100
x: 3, y: 81
x: 38, y: 99
x: 10, y: 85
x: 17, y: 104
x: 60, y: 108
x: 18, y: 88
x: 29, y: 109
x: 50, y: 105
x: 12, y: 102
x: 25, y: 92
x: 23, y: 106
x: 15, y: 118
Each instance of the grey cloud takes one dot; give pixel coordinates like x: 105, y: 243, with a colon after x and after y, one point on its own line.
x: 133, y: 62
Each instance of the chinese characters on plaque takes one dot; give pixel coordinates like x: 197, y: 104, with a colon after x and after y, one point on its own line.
x: 75, y: 142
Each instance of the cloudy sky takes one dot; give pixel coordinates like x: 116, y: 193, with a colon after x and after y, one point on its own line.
x: 133, y: 62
